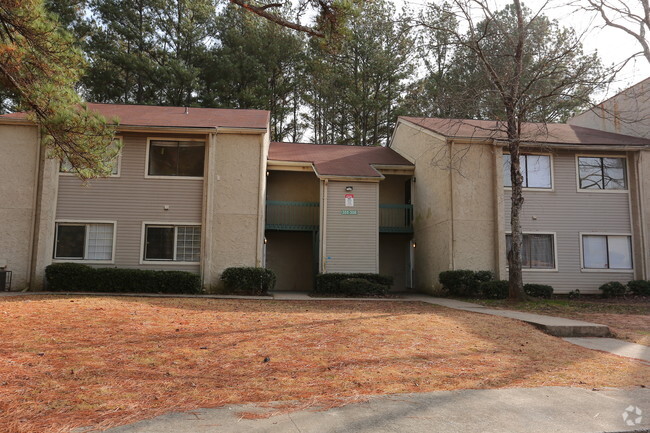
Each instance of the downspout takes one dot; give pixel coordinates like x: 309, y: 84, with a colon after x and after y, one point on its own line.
x: 323, y: 229
x: 38, y: 190
x: 640, y: 194
x: 261, y: 208
x: 451, y: 203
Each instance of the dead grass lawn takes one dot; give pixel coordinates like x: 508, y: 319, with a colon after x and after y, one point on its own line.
x: 67, y: 362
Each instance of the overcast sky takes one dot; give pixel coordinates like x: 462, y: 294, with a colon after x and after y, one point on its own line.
x: 612, y: 45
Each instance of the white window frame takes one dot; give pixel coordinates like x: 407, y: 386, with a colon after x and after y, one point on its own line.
x: 167, y: 224
x: 608, y: 270
x: 552, y: 164
x: 598, y: 190
x: 146, y: 159
x: 119, y: 163
x: 86, y: 223
x: 555, y: 258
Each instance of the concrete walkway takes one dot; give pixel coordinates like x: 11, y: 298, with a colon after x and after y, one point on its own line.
x: 617, y: 347
x: 557, y: 326
x: 517, y: 410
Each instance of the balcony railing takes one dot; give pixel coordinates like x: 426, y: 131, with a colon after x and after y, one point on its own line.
x: 292, y: 215
x: 396, y: 218
x: 305, y: 216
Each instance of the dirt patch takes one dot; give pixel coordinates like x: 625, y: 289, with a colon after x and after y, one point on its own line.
x: 68, y: 362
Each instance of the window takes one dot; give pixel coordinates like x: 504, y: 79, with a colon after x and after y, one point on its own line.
x: 172, y: 243
x: 66, y: 167
x: 176, y: 158
x: 82, y: 241
x: 536, y: 170
x: 606, y: 252
x: 538, y: 251
x: 600, y: 173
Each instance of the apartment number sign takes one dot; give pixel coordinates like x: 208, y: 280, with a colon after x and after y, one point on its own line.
x: 349, y: 200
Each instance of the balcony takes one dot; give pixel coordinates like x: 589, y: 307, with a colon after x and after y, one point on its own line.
x: 396, y: 218
x: 292, y: 215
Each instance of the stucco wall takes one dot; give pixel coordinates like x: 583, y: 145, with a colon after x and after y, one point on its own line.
x: 19, y: 147
x: 235, y: 199
x: 452, y: 230
x: 431, y: 202
x: 392, y: 189
x: 625, y: 113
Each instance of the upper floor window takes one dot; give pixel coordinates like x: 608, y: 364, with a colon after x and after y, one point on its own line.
x: 600, y: 173
x: 536, y: 170
x: 176, y: 158
x: 114, y: 163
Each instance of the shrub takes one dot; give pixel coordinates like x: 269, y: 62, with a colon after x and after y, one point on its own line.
x: 68, y: 276
x: 75, y: 276
x: 639, y: 287
x: 332, y: 284
x: 612, y: 289
x: 464, y: 283
x: 362, y: 287
x: 248, y: 281
x: 495, y: 289
x: 574, y: 294
x: 538, y: 290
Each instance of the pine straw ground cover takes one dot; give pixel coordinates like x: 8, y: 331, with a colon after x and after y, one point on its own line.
x: 628, y: 319
x: 67, y: 362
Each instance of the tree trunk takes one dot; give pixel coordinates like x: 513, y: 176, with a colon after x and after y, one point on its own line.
x: 515, y: 258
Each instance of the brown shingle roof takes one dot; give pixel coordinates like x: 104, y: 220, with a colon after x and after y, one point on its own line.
x: 550, y: 133
x: 156, y: 116
x: 338, y: 160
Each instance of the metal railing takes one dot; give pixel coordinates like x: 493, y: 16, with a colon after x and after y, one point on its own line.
x: 292, y: 215
x: 396, y: 218
x: 305, y: 216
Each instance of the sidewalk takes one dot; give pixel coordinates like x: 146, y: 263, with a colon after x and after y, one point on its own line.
x: 517, y: 410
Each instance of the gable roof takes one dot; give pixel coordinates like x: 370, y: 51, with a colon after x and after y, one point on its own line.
x: 338, y: 160
x: 174, y: 117
x: 548, y: 133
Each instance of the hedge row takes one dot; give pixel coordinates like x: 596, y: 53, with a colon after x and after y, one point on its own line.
x: 481, y: 284
x: 357, y: 284
x: 79, y: 277
x: 248, y: 281
x: 615, y: 289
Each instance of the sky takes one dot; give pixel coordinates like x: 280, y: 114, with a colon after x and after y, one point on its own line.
x: 613, y: 45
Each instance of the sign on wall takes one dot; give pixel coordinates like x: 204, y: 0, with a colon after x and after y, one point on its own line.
x: 349, y: 200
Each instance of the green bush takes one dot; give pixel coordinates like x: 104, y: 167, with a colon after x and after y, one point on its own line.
x: 639, y: 287
x: 248, y: 281
x: 362, y: 287
x: 612, y: 289
x: 495, y: 289
x: 78, y: 277
x: 464, y: 283
x: 538, y: 290
x: 332, y: 284
x: 68, y: 276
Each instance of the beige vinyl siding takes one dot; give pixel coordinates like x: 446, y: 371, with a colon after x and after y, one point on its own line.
x: 130, y: 199
x: 567, y: 213
x: 352, y: 241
